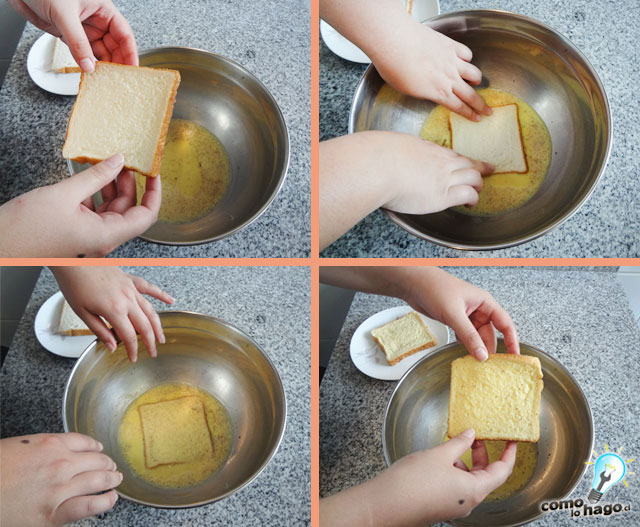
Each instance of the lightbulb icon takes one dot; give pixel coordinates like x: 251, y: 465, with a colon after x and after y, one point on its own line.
x: 609, y: 469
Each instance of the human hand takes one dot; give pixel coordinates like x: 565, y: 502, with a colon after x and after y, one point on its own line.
x: 59, y: 221
x: 470, y: 311
x: 424, y: 63
x: 88, y: 27
x: 109, y: 292
x: 52, y: 479
x: 424, y: 487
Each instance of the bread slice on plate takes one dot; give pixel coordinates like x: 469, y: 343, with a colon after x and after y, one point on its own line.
x: 62, y: 61
x: 403, y: 337
x: 175, y: 431
x: 496, y: 139
x: 70, y: 323
x: 122, y: 110
x: 499, y: 398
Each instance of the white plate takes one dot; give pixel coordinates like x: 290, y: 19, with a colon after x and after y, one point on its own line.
x: 421, y: 10
x: 39, y: 68
x: 46, y: 327
x: 369, y: 358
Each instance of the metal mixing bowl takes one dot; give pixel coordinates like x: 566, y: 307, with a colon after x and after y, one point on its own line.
x: 200, y: 350
x: 522, y: 56
x: 236, y: 107
x: 417, y: 413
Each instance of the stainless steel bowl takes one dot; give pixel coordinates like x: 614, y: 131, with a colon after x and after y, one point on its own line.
x: 237, y: 108
x: 200, y: 350
x: 522, y: 56
x: 417, y: 413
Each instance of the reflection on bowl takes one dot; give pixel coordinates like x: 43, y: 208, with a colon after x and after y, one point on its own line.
x: 522, y: 56
x: 202, y: 351
x: 237, y: 108
x: 417, y: 413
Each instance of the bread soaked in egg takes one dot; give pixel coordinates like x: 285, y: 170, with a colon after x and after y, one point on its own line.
x: 502, y: 192
x: 175, y: 435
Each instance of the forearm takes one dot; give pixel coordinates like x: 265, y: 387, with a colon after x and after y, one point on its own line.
x: 348, y: 508
x: 376, y: 27
x: 397, y: 282
x: 349, y: 188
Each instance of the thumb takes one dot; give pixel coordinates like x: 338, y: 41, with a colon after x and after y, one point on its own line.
x: 74, y: 35
x: 90, y: 181
x: 468, y: 335
x: 458, y: 445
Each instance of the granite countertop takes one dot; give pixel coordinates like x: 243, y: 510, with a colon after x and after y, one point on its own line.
x: 608, y: 224
x: 271, y: 304
x: 270, y: 39
x: 582, y: 318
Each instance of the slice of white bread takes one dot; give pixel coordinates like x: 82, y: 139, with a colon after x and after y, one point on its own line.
x: 496, y: 139
x: 70, y: 323
x: 175, y: 431
x: 122, y: 110
x: 403, y: 337
x: 499, y: 398
x: 62, y: 61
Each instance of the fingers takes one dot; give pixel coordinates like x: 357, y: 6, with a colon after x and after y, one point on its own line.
x: 146, y: 288
x: 69, y: 24
x: 126, y: 333
x: 122, y: 33
x: 99, y: 328
x: 470, y: 97
x: 469, y: 73
x: 504, y: 324
x: 143, y: 327
x: 462, y: 195
x: 458, y: 445
x: 80, y: 507
x: 80, y: 442
x: 125, y: 197
x: 468, y: 335
x: 463, y: 52
x: 467, y: 176
x: 94, y: 481
x: 153, y: 318
x: 90, y: 181
x: 497, y: 472
x: 109, y: 193
x: 91, y: 461
x: 152, y: 198
x: 457, y: 105
x: 488, y: 335
x: 458, y: 463
x: 485, y: 169
x: 479, y: 455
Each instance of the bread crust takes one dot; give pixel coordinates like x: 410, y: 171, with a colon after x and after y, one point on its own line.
x: 68, y: 69
x: 157, y: 159
x: 510, y: 357
x: 76, y: 332
x: 524, y: 153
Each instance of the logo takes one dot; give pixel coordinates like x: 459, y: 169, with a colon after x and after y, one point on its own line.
x: 609, y: 469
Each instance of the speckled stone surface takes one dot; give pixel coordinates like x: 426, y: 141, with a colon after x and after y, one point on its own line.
x: 270, y: 39
x: 272, y: 305
x: 582, y: 318
x: 607, y: 33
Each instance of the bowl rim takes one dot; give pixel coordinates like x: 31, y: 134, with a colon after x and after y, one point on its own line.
x: 258, y: 470
x: 287, y: 148
x: 537, y: 350
x: 395, y: 217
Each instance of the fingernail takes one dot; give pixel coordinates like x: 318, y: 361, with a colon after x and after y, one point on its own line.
x: 135, y: 358
x: 488, y: 111
x: 481, y: 354
x: 469, y: 433
x: 477, y: 117
x: 100, y: 445
x: 86, y: 65
x: 111, y: 346
x: 115, y: 161
x: 120, y: 476
x: 162, y: 339
x: 491, y: 167
x: 116, y: 498
x: 475, y: 444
